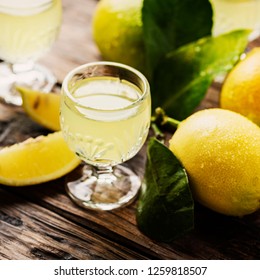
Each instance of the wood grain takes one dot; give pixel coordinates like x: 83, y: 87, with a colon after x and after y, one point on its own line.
x: 29, y: 231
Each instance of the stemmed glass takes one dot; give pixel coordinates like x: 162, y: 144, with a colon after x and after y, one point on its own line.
x: 105, y: 118
x: 236, y: 14
x: 230, y: 15
x: 28, y: 30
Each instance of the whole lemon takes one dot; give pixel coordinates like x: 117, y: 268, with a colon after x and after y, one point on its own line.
x: 117, y: 31
x: 241, y: 89
x: 220, y: 151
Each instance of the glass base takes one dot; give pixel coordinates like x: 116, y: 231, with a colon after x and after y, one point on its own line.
x: 101, y: 190
x: 36, y: 77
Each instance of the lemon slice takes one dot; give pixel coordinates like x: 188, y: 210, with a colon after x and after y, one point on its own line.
x: 36, y: 160
x: 42, y: 107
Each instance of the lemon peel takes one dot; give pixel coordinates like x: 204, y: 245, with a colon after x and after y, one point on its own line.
x: 221, y: 153
x: 118, y: 33
x: 241, y: 89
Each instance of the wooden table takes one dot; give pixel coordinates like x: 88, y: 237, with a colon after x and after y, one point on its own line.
x: 41, y: 222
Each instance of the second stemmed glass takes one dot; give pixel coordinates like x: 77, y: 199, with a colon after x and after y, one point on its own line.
x: 231, y: 15
x: 236, y: 14
x: 28, y: 30
x: 105, y: 118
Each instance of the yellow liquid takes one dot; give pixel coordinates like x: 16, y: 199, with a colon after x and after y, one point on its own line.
x: 236, y: 14
x: 112, y: 131
x: 28, y: 30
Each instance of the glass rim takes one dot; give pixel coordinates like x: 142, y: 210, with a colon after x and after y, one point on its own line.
x: 20, y: 6
x: 78, y: 69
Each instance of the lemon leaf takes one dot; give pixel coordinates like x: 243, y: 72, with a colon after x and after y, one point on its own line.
x: 170, y: 24
x: 165, y: 207
x: 183, y: 77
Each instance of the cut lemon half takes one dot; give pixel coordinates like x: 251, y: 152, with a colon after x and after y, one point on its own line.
x: 41, y: 107
x: 36, y: 160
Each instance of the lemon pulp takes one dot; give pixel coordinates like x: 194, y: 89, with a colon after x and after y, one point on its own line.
x: 36, y: 160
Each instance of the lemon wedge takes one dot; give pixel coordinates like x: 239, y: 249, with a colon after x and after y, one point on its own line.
x: 36, y: 160
x: 41, y: 107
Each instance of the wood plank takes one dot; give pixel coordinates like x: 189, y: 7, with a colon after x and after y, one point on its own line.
x: 29, y: 231
x: 215, y: 236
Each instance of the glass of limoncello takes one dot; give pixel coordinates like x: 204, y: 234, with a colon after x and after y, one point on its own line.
x: 28, y: 30
x: 236, y: 14
x: 105, y: 118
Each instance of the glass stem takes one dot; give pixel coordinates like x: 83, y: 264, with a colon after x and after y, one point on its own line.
x: 105, y: 173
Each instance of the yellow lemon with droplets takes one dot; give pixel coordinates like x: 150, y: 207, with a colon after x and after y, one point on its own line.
x: 241, y: 89
x: 117, y: 31
x: 220, y: 151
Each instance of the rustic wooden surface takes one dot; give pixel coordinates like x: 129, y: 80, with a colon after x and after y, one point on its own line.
x: 41, y: 222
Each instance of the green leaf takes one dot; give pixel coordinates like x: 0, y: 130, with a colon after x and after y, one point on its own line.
x: 169, y: 24
x: 183, y: 77
x: 165, y: 207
